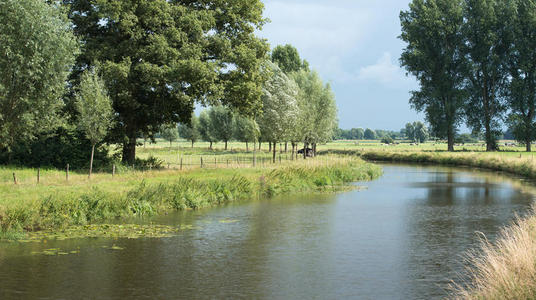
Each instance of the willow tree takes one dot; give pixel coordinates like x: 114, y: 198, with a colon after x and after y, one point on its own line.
x: 279, y: 107
x: 37, y: 51
x: 94, y: 109
x: 160, y: 57
x: 432, y: 30
x: 190, y: 131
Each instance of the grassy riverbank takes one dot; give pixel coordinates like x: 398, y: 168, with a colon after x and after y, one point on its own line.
x: 31, y: 206
x: 505, y: 269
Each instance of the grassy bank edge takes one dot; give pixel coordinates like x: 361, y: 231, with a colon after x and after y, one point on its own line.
x: 195, y: 190
x: 505, y: 269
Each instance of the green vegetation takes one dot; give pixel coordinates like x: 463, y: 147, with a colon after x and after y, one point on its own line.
x: 31, y: 207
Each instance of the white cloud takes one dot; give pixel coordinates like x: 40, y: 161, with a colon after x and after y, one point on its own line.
x: 383, y: 71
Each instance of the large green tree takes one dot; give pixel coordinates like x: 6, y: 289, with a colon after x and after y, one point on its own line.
x: 37, y: 51
x: 245, y: 130
x: 160, y: 57
x: 432, y: 30
x: 521, y: 95
x: 94, y: 109
x: 486, y: 45
x: 190, y: 131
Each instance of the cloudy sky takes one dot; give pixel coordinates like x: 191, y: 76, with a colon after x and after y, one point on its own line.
x: 353, y: 44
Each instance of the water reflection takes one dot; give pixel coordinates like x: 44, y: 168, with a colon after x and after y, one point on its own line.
x: 400, y: 239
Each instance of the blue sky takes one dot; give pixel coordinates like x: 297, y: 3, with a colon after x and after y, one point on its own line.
x: 353, y: 44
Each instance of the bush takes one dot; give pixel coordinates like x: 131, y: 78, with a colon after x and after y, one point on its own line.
x: 387, y: 140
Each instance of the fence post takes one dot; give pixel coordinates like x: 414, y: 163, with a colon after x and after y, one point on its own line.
x: 38, y: 174
x: 113, y: 170
x: 215, y: 162
x: 181, y: 165
x: 67, y: 172
x: 227, y: 163
x: 201, y: 161
x: 14, y: 178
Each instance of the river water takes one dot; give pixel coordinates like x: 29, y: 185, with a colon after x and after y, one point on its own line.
x: 403, y: 237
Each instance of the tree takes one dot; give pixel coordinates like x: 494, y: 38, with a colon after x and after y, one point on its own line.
x: 432, y: 31
x: 205, y: 128
x: 410, y: 132
x: 161, y: 57
x: 190, y: 132
x: 317, y: 118
x: 245, y: 130
x: 370, y: 134
x: 521, y: 91
x: 280, y: 109
x: 221, y: 124
x: 170, y: 133
x: 357, y: 134
x: 420, y: 133
x: 94, y: 109
x: 287, y: 58
x: 37, y: 51
x: 486, y: 52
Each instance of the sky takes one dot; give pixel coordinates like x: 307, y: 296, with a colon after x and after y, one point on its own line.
x: 354, y: 45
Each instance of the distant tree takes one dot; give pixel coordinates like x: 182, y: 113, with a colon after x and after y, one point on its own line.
x: 370, y: 134
x: 420, y: 132
x: 432, y: 31
x: 95, y: 112
x: 287, y: 58
x: 205, y: 128
x: 357, y: 134
x: 221, y: 120
x: 387, y: 140
x: 190, y: 132
x: 245, y: 130
x: 37, y: 52
x: 410, y: 132
x: 170, y: 133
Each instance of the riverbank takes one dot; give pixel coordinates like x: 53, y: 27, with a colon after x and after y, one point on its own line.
x: 505, y: 269
x: 32, y: 207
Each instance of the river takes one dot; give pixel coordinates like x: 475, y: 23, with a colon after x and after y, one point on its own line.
x: 401, y: 237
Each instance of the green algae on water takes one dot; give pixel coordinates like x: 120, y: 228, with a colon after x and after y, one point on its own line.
x: 130, y: 231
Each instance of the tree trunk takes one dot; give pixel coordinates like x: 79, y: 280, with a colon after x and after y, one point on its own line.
x: 247, y: 147
x: 274, y: 148
x: 260, y: 143
x: 192, y: 144
x: 286, y: 147
x: 450, y: 136
x: 254, y: 153
x: 314, y: 149
x: 225, y: 145
x: 269, y: 146
x: 304, y: 150
x: 210, y: 145
x: 528, y: 146
x: 490, y: 141
x: 293, y: 145
x: 129, y: 150
x: 91, y: 160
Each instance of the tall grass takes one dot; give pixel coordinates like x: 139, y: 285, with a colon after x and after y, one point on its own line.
x: 40, y: 207
x: 506, y: 269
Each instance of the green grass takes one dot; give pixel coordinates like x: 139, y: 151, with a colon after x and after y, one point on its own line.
x: 55, y: 203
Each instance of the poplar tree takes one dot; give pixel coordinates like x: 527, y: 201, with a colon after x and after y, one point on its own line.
x: 432, y: 31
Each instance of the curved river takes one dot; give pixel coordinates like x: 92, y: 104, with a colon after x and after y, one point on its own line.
x: 403, y: 237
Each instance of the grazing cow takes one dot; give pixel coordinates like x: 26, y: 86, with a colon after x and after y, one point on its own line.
x: 309, y: 152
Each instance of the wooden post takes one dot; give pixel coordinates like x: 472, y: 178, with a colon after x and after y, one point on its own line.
x: 113, y: 170
x: 67, y: 172
x: 227, y: 163
x: 215, y: 162
x: 14, y: 178
x: 280, y: 157
x: 201, y: 161
x: 38, y: 174
x: 181, y: 164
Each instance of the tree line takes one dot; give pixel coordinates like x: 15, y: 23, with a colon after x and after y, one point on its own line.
x: 79, y: 74
x: 297, y: 108
x: 475, y: 62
